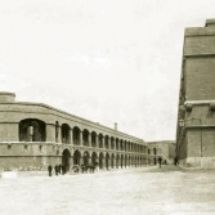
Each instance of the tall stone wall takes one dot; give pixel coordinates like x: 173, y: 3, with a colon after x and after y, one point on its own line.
x: 196, y: 135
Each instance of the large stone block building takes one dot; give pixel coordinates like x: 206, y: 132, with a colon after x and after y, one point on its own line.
x: 164, y: 149
x: 33, y: 136
x: 196, y: 113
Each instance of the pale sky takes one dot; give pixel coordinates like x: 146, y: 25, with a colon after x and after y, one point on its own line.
x: 103, y: 60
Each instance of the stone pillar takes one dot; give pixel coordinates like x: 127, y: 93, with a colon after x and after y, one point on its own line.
x: 90, y: 140
x: 97, y: 141
x: 108, y: 142
x: 114, y: 163
x: 50, y: 133
x: 90, y: 160
x: 59, y: 134
x: 82, y: 160
x: 71, y: 136
x: 81, y: 138
x: 109, y: 163
x: 103, y: 142
x: 71, y: 162
x: 114, y: 144
x: 103, y: 163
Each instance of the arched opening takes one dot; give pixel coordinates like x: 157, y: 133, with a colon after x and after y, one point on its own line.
x: 122, y: 161
x: 86, y: 137
x: 86, y: 158
x: 65, y: 131
x: 129, y: 161
x: 129, y: 146
x: 100, y: 141
x: 101, y: 157
x: 93, y: 139
x: 77, y: 158
x: 33, y: 130
x: 117, y: 161
x: 155, y: 151
x: 117, y: 144
x: 135, y: 161
x: 106, y: 142
x: 76, y: 136
x: 66, y: 156
x: 138, y: 161
x: 121, y: 145
x: 94, y: 158
x: 112, y: 160
x: 112, y: 142
x: 56, y: 131
x: 107, y: 160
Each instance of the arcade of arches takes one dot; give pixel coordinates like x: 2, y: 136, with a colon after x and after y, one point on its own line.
x: 78, y: 146
x: 35, y: 130
x: 104, y: 160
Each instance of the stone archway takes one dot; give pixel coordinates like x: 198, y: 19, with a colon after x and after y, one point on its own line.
x: 94, y: 158
x: 86, y: 158
x: 117, y: 161
x: 77, y: 158
x: 32, y: 130
x: 101, y: 157
x: 112, y: 161
x: 107, y: 160
x: 122, y: 161
x: 66, y: 156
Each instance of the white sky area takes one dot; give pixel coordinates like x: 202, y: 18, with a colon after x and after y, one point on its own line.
x: 103, y: 60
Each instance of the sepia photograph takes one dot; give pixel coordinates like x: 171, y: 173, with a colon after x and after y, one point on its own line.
x: 107, y: 107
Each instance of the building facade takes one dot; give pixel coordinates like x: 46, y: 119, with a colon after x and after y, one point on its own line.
x: 164, y: 149
x: 196, y: 112
x: 33, y: 136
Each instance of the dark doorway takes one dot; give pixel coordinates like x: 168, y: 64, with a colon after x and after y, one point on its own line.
x: 94, y: 158
x: 101, y: 157
x: 66, y: 160
x: 86, y: 158
x: 77, y: 158
x: 107, y: 160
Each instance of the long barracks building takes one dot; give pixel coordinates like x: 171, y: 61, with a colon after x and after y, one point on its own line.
x: 33, y: 136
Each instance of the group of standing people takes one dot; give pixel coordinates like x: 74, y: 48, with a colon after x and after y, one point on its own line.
x: 58, y: 169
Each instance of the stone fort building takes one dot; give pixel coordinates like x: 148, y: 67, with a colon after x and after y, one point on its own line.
x: 196, y: 112
x: 33, y: 136
x: 164, y: 149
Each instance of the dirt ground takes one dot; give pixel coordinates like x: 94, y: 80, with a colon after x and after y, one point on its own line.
x: 145, y: 190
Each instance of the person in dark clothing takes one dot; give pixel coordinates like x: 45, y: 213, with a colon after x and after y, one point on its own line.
x: 59, y: 168
x: 63, y: 170
x: 56, y: 169
x: 176, y: 162
x: 160, y: 161
x: 50, y: 170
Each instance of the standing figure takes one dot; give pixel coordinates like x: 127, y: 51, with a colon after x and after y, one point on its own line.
x: 176, y: 162
x: 59, y: 168
x: 56, y: 169
x: 160, y: 161
x: 63, y: 170
x: 50, y: 170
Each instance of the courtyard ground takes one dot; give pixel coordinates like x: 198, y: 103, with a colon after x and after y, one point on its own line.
x: 145, y: 190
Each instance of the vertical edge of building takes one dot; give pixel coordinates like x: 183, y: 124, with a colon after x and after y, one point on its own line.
x: 195, y: 136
